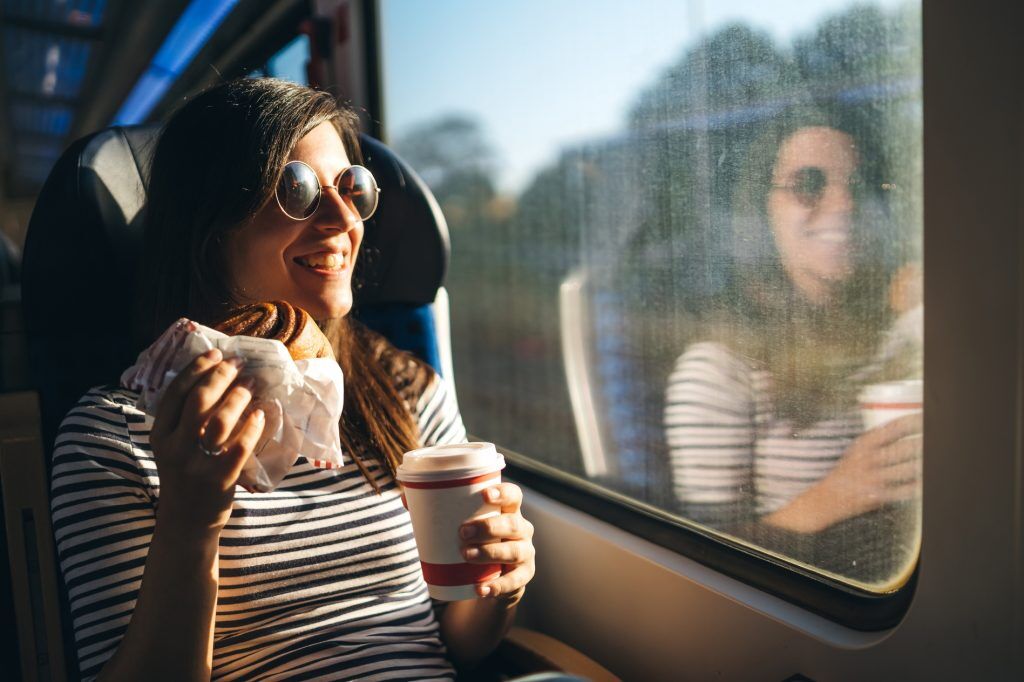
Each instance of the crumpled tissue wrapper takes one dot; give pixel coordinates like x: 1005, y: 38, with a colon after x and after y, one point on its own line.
x: 302, y: 399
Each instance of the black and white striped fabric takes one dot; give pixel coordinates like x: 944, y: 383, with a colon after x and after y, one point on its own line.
x: 732, y: 456
x: 318, y: 580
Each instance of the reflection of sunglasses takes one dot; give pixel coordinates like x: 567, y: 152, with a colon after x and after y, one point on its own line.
x: 299, y: 190
x: 809, y: 185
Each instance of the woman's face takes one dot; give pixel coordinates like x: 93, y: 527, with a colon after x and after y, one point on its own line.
x: 810, y: 208
x: 305, y: 262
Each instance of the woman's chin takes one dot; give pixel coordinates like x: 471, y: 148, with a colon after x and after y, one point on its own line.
x: 331, y: 310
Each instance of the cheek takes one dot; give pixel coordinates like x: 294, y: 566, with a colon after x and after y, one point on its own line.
x: 356, y: 237
x: 251, y: 264
x: 786, y: 224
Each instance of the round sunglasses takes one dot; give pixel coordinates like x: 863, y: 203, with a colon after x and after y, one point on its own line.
x: 299, y: 190
x: 809, y: 183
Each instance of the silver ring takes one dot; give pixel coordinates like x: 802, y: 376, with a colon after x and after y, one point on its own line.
x: 206, y: 451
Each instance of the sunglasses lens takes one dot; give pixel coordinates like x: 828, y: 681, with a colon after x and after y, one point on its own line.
x: 359, y: 188
x: 809, y: 186
x: 298, y: 191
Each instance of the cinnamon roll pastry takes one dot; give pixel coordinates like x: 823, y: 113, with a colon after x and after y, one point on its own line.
x: 282, y: 321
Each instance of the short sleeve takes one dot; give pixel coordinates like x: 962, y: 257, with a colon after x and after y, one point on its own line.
x: 709, y: 426
x: 437, y: 414
x: 103, y: 518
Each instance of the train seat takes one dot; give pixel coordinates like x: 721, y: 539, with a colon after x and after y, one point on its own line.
x: 615, y: 395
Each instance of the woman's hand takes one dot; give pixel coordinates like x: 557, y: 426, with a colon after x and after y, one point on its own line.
x: 880, y: 467
x: 505, y: 539
x: 202, y: 436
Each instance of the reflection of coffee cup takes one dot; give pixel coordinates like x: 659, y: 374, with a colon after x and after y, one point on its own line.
x: 881, y: 403
x: 441, y: 486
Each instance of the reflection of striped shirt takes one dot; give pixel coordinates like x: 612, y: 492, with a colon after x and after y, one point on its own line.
x: 318, y: 579
x: 731, y: 455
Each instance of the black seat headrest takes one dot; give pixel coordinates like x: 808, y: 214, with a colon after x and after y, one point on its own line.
x: 84, y: 239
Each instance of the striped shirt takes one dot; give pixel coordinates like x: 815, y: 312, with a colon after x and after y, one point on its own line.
x: 733, y: 458
x: 319, y: 579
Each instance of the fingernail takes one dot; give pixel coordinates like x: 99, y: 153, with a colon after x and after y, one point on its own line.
x: 492, y: 494
x: 471, y: 553
x: 236, y: 361
x: 213, y: 354
x: 484, y: 591
x: 259, y: 415
x: 467, y: 532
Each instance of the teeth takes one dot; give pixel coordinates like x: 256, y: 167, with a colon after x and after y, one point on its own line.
x: 835, y: 237
x: 327, y: 261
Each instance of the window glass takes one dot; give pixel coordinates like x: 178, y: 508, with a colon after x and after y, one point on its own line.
x: 686, y: 253
x: 289, y: 63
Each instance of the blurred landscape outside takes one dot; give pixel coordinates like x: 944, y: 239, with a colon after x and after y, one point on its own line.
x: 641, y: 210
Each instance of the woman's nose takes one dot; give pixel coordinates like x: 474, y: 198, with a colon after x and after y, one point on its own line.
x: 837, y: 198
x: 334, y: 212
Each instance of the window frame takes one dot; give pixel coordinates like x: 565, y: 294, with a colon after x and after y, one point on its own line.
x: 841, y: 603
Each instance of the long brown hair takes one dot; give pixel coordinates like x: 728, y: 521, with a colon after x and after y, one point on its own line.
x: 216, y: 165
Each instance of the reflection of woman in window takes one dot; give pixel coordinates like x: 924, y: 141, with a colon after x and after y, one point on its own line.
x: 761, y: 416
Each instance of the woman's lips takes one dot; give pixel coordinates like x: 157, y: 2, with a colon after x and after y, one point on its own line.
x: 829, y: 236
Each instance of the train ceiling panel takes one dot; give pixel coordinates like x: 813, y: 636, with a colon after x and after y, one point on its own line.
x: 44, y: 64
x: 69, y: 12
x: 70, y: 67
x: 65, y: 68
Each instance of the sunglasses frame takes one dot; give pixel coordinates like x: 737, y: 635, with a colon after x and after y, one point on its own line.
x: 811, y: 202
x: 321, y: 188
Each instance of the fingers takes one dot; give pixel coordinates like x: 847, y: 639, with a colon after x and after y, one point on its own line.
x: 172, y: 402
x: 502, y: 539
x: 905, y: 472
x: 512, y: 552
x: 241, y: 447
x: 508, y: 495
x: 901, y: 427
x: 496, y: 529
x: 509, y: 582
x: 207, y: 392
x: 907, y: 449
x: 222, y: 423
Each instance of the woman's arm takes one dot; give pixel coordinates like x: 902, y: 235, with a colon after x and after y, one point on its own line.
x: 880, y: 467
x: 151, y: 621
x: 471, y: 629
x: 171, y: 631
x: 709, y: 420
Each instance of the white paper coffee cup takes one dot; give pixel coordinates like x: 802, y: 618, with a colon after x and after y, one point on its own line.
x: 441, y: 486
x: 881, y: 403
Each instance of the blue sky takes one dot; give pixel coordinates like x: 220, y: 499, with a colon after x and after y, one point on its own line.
x: 545, y: 74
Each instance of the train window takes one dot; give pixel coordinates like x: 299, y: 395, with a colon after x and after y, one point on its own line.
x: 289, y: 63
x: 686, y: 255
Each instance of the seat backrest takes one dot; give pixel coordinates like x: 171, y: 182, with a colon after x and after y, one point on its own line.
x: 82, y: 249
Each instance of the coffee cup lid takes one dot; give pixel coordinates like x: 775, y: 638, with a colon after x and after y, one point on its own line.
x: 450, y: 461
x: 910, y: 391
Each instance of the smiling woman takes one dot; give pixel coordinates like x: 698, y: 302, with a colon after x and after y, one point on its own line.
x: 321, y: 577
